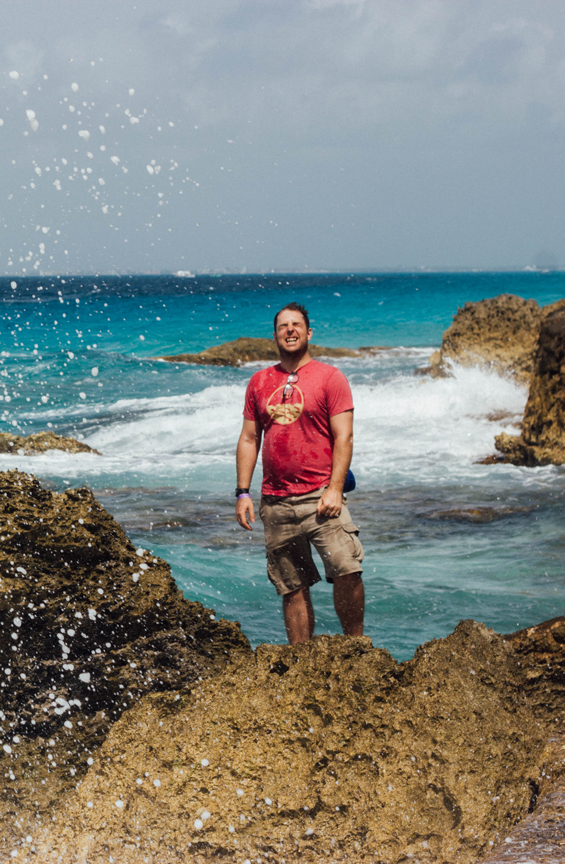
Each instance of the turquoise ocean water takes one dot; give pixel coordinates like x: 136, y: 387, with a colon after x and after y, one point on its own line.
x: 76, y: 357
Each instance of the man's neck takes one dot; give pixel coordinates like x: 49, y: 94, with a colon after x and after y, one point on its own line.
x: 292, y: 362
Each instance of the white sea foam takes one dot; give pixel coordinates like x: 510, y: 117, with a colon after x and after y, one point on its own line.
x: 407, y: 428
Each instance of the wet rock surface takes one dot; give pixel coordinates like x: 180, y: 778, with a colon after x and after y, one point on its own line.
x: 540, y: 837
x: 324, y: 751
x: 542, y: 441
x: 88, y: 624
x: 501, y: 333
x: 40, y: 442
x: 541, y: 653
x: 247, y: 350
x: 135, y: 726
x: 477, y: 515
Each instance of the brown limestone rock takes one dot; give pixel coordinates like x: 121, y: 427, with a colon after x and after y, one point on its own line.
x: 247, y: 350
x: 40, y: 442
x: 329, y: 748
x: 540, y: 837
x: 500, y: 333
x: 82, y: 638
x: 476, y: 515
x: 541, y: 652
x: 542, y: 441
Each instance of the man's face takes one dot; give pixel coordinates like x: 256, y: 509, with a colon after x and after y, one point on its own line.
x: 292, y: 335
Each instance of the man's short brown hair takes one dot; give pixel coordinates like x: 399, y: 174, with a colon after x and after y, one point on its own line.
x: 295, y: 307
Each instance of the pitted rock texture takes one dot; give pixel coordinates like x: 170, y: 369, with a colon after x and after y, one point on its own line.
x: 40, y: 442
x: 247, y: 349
x: 88, y: 624
x: 328, y: 750
x: 542, y: 440
x: 500, y: 333
x: 540, y: 838
x: 541, y: 653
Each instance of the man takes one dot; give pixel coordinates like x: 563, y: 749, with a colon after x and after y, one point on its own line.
x: 305, y: 410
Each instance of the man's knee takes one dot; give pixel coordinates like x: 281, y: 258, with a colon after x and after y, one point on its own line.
x: 349, y: 580
x: 298, y: 596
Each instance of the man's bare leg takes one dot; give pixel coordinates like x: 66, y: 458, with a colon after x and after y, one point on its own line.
x: 349, y: 602
x: 298, y: 616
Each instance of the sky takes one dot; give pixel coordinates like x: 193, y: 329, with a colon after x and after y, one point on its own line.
x: 281, y: 135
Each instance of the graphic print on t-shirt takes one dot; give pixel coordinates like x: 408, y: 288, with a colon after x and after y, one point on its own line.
x: 285, y: 413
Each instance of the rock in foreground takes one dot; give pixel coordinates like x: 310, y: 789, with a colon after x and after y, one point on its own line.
x: 88, y: 624
x: 542, y: 441
x: 327, y: 750
x: 40, y: 442
x: 501, y: 333
x: 248, y: 350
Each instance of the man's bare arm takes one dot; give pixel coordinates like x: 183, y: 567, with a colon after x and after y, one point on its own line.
x: 342, y: 431
x: 248, y: 448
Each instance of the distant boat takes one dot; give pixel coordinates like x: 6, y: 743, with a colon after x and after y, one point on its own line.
x: 185, y: 273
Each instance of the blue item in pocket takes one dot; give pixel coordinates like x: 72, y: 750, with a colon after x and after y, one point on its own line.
x: 349, y: 484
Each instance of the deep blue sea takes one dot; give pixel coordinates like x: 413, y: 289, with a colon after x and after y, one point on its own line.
x: 77, y: 357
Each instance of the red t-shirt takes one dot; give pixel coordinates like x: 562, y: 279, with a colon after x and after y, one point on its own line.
x: 298, y: 443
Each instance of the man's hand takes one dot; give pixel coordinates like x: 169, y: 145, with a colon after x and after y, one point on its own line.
x: 342, y: 431
x: 244, y: 507
x: 330, y: 503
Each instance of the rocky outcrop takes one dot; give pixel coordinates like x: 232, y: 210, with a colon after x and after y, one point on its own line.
x: 539, y: 838
x: 542, y: 441
x: 541, y: 653
x: 40, y: 442
x: 88, y: 625
x: 247, y: 350
x: 137, y: 727
x: 476, y: 515
x: 326, y: 747
x: 500, y: 333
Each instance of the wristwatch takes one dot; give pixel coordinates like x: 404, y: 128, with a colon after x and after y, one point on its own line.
x: 240, y: 491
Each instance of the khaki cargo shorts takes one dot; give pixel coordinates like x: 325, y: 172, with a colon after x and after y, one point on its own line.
x: 291, y: 524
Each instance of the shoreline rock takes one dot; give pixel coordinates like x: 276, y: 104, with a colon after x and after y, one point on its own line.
x: 500, y: 333
x: 326, y: 746
x: 515, y: 337
x: 248, y: 350
x: 542, y: 440
x: 40, y: 442
x: 88, y: 625
x: 115, y: 678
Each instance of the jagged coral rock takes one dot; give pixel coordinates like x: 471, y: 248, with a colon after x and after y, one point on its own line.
x: 40, y: 442
x: 541, y: 653
x: 539, y: 837
x: 247, y: 349
x: 500, y: 333
x: 432, y: 759
x: 88, y: 624
x: 542, y: 441
x: 326, y: 748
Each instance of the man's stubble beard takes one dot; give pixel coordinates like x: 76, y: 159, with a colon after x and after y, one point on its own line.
x: 292, y: 356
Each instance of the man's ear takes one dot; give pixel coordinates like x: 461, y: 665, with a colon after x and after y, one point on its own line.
x: 309, y: 334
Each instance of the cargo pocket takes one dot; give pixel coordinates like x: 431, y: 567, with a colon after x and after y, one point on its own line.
x: 352, y: 532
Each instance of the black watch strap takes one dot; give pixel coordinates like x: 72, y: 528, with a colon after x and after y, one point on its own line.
x: 239, y: 491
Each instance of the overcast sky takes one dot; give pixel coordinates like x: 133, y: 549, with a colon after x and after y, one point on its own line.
x: 281, y: 135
